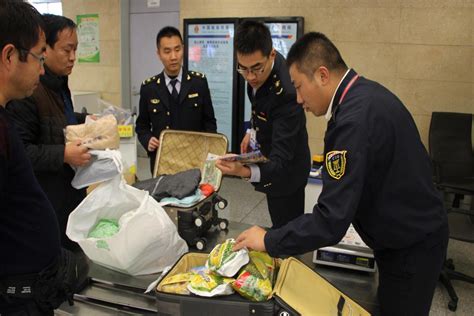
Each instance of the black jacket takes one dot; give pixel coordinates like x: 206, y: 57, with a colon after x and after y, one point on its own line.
x: 29, y: 235
x: 194, y: 109
x: 377, y: 175
x: 41, y: 120
x: 280, y: 124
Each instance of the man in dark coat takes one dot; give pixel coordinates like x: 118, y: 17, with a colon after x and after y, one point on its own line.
x: 377, y: 176
x: 174, y: 99
x: 42, y: 118
x: 36, y: 276
x: 278, y: 126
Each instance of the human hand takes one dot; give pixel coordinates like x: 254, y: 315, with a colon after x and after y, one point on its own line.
x: 244, y: 145
x: 233, y: 168
x: 253, y: 238
x: 153, y: 144
x: 75, y: 154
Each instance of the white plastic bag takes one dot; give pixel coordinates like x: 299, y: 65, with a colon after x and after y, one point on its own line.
x: 147, y: 240
x: 104, y: 165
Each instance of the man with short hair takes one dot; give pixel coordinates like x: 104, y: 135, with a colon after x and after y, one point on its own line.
x: 278, y: 126
x: 42, y: 118
x: 36, y: 276
x: 377, y: 176
x: 174, y: 99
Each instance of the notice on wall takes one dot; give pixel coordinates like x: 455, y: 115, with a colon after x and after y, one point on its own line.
x: 88, y: 50
x: 211, y: 51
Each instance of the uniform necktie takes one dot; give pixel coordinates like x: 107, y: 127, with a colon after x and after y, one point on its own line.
x: 174, y: 92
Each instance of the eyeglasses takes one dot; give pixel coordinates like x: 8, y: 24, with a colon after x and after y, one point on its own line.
x: 254, y: 71
x: 41, y: 59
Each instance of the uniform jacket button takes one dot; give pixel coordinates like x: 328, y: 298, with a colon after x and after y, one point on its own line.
x: 168, y: 113
x: 154, y: 110
x: 167, y: 127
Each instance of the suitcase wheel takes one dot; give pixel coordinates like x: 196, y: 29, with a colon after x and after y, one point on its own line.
x: 223, y: 224
x: 201, y: 244
x: 199, y: 221
x: 222, y: 204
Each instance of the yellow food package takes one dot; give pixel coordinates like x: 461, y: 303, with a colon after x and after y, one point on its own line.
x: 210, y: 285
x: 177, y: 284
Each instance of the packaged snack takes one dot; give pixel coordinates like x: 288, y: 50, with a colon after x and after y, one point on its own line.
x: 255, y: 280
x: 177, y: 284
x: 225, y: 262
x: 210, y: 285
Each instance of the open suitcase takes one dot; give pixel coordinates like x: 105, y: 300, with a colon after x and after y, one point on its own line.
x: 298, y: 290
x: 184, y: 150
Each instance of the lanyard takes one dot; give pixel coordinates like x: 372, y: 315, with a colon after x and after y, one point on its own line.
x: 349, y: 85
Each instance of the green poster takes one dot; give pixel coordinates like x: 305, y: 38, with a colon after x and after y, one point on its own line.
x: 88, y: 50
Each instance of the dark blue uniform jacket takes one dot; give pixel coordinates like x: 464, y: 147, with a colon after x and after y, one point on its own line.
x: 377, y: 175
x: 280, y: 124
x: 194, y: 111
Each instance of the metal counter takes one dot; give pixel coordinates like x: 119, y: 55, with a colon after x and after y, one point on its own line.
x: 112, y: 292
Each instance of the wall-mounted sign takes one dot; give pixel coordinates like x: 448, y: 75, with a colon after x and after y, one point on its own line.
x: 88, y: 50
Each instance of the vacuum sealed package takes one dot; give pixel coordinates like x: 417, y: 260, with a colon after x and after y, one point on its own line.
x: 225, y: 262
x: 99, y: 134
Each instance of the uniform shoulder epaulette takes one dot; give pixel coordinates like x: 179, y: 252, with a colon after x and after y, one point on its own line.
x: 147, y: 81
x: 196, y: 74
x: 277, y: 85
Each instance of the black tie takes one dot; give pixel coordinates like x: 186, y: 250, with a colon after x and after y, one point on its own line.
x: 174, y: 92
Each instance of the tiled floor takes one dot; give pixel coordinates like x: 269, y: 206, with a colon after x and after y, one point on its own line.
x: 248, y: 206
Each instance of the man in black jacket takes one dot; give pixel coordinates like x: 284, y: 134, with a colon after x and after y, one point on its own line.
x: 278, y: 126
x: 42, y: 117
x: 377, y: 176
x: 174, y: 99
x: 35, y: 275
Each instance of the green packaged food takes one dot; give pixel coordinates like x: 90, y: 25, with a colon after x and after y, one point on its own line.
x: 225, y: 262
x: 255, y: 280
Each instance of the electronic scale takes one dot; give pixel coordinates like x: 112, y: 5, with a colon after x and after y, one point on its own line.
x: 350, y: 253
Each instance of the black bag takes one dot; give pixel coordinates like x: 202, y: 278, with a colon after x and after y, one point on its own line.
x: 58, y: 283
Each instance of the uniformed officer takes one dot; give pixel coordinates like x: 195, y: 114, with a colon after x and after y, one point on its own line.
x: 278, y: 126
x: 377, y: 175
x: 174, y: 99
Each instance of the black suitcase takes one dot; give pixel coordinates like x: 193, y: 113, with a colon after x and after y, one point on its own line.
x: 298, y: 290
x: 184, y: 150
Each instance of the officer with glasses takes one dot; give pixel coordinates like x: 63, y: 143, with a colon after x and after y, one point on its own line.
x: 278, y: 126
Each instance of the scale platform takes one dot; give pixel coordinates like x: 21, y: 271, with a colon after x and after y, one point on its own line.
x: 350, y: 253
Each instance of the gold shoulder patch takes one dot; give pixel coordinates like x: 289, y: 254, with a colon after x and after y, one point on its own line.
x: 336, y: 163
x: 147, y: 81
x: 197, y: 74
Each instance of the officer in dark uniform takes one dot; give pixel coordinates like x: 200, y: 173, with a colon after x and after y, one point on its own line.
x: 278, y: 126
x: 174, y: 99
x: 377, y: 175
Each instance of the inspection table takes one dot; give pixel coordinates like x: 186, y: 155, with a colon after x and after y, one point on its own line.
x: 111, y: 292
